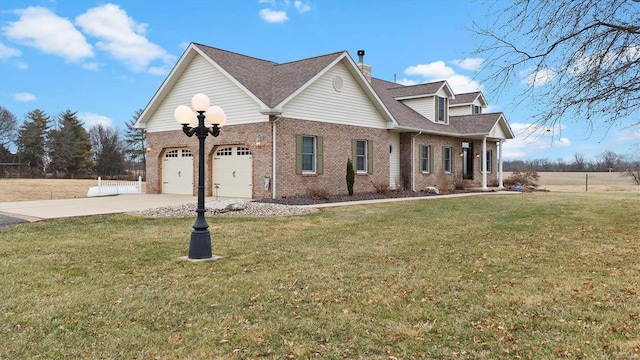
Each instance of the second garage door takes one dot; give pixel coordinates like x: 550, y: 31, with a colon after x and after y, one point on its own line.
x: 232, y: 169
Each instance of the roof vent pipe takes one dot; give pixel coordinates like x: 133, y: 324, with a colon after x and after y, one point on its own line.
x: 361, y: 56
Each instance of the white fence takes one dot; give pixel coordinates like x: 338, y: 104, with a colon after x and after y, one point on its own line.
x: 115, y: 187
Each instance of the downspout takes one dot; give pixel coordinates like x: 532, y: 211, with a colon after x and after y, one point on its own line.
x: 413, y: 159
x: 273, y: 155
x: 500, y: 178
x: 483, y: 161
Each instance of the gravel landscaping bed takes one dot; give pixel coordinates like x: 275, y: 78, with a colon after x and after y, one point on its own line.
x: 215, y: 209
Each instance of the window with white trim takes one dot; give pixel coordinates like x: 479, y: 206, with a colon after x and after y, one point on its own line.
x: 227, y: 151
x: 477, y: 109
x: 241, y: 150
x: 308, y: 154
x: 186, y: 153
x: 361, y: 156
x: 425, y: 158
x: 447, y: 159
x: 488, y: 159
x: 171, y: 153
x: 442, y: 109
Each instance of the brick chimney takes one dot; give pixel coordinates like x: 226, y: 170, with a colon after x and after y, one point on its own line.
x: 366, y: 69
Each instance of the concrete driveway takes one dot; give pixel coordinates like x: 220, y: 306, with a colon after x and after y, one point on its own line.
x: 52, y: 209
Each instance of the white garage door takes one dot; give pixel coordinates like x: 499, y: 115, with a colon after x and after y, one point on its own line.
x: 177, y: 172
x: 232, y: 169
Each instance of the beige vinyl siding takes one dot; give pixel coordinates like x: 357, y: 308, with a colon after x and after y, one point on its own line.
x: 460, y: 110
x: 425, y: 106
x: 321, y: 102
x: 201, y: 76
x: 394, y: 160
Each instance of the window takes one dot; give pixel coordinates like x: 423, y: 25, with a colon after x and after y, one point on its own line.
x: 186, y: 153
x: 446, y: 159
x: 309, y: 154
x: 171, y: 153
x: 488, y: 159
x: 442, y: 109
x: 241, y: 150
x: 362, y: 155
x: 425, y: 159
x: 477, y: 109
x: 228, y: 151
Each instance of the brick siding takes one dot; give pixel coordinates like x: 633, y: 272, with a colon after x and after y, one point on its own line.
x: 337, y: 149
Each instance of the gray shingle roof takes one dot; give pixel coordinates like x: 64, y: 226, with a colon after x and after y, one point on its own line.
x: 475, y: 124
x: 269, y: 81
x: 466, y: 98
x: 272, y: 83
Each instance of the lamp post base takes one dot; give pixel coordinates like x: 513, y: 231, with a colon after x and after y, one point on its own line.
x: 200, y: 245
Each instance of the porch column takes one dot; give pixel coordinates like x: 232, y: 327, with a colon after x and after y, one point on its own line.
x: 483, y: 161
x: 500, y: 178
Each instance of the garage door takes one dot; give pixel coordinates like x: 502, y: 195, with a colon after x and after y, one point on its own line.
x: 232, y: 169
x: 177, y: 172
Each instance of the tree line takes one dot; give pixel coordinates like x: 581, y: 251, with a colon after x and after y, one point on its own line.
x: 61, y: 147
x: 607, y: 161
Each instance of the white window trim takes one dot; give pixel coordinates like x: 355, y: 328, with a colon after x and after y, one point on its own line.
x: 314, y: 155
x: 366, y: 157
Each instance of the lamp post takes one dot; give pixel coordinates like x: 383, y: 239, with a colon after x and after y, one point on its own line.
x: 192, y: 124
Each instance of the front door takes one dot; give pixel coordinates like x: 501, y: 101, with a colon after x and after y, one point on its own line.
x: 467, y: 160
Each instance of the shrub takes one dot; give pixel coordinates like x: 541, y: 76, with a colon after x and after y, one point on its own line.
x: 318, y: 193
x: 382, y: 188
x: 634, y: 175
x: 525, y: 178
x: 351, y: 177
x: 458, y: 181
x: 443, y: 182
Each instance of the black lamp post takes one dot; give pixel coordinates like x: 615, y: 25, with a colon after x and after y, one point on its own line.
x: 192, y: 124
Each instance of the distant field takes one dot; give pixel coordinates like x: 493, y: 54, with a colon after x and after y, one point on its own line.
x: 44, y: 189
x: 576, y: 181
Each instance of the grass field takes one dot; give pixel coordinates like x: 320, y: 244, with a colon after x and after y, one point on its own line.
x: 540, y: 275
x: 578, y: 181
x: 44, y: 189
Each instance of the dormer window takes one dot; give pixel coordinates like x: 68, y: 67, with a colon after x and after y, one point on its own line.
x: 442, y: 109
x: 477, y: 109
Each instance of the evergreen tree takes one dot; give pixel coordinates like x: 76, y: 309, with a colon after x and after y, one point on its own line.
x: 32, y: 140
x: 136, y: 140
x: 69, y: 147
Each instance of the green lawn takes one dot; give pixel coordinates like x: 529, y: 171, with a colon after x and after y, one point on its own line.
x: 526, y: 276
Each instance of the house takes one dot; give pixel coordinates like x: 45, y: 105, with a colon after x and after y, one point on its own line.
x: 291, y: 128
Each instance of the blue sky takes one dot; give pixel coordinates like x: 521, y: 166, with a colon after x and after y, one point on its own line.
x: 106, y: 59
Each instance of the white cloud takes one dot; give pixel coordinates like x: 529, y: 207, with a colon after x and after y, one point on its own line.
x: 438, y: 70
x: 533, y: 139
x: 40, y: 28
x: 21, y: 65
x: 628, y: 135
x: 24, y: 97
x: 273, y: 16
x: 7, y: 52
x: 90, y: 120
x: 122, y: 37
x: 302, y: 7
x: 471, y: 64
x: 537, y: 77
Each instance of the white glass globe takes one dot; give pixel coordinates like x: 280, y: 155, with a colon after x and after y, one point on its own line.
x: 200, y: 102
x: 215, y: 115
x: 184, y: 115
